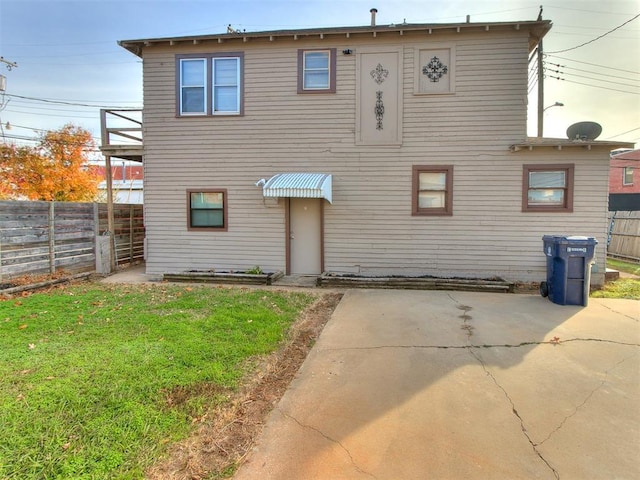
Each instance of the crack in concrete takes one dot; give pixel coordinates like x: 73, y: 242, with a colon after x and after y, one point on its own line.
x: 636, y: 319
x: 586, y: 399
x: 488, y: 345
x: 472, y: 351
x: 330, y: 439
x: 514, y: 410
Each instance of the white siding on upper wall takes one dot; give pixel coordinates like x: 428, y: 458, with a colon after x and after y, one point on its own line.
x: 369, y: 227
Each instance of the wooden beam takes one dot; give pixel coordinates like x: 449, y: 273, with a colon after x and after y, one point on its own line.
x: 110, y: 218
x: 52, y: 237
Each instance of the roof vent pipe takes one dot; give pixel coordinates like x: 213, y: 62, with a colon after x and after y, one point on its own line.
x: 373, y: 16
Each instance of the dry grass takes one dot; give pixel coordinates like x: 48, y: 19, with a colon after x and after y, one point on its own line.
x: 227, y: 434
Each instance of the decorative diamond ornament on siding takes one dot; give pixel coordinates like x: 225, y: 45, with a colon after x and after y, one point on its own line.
x: 435, y: 69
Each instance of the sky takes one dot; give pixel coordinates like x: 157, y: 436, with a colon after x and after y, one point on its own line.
x: 69, y: 64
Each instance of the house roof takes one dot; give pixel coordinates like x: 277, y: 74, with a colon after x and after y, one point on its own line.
x: 632, y: 155
x: 537, y: 29
x: 560, y: 143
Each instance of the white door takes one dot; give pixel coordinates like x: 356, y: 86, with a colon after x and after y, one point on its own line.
x: 305, y: 233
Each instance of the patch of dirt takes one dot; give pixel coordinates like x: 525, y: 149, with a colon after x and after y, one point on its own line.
x: 227, y: 434
x: 26, y: 285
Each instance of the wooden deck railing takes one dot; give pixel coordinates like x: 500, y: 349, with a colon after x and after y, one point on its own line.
x: 122, y: 133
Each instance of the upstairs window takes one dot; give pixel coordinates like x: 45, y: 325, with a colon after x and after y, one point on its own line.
x: 627, y: 176
x: 547, y: 188
x: 226, y: 85
x: 317, y: 71
x: 432, y: 190
x: 207, y: 209
x: 193, y: 82
x: 210, y: 84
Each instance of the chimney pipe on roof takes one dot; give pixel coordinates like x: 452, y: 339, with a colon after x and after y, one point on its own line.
x: 373, y: 16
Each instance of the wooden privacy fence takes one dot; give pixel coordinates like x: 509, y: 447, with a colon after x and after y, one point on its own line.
x: 45, y: 237
x: 624, y: 235
x: 128, y: 228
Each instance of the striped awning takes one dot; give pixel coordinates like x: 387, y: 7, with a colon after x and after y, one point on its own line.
x: 298, y: 185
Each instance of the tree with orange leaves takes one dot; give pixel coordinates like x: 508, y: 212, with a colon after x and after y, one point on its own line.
x: 56, y: 170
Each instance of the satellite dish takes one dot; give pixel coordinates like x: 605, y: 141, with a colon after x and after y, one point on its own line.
x: 584, y: 131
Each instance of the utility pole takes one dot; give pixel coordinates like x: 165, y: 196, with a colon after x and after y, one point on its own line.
x: 540, y: 83
x: 3, y: 88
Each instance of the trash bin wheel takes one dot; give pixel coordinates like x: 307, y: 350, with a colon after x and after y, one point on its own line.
x: 544, y: 289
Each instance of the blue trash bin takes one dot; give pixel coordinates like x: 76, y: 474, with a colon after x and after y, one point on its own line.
x: 569, y: 260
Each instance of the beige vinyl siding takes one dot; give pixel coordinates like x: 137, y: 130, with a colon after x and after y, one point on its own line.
x: 368, y: 228
x: 487, y: 235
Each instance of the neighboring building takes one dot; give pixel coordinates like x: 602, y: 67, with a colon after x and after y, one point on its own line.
x: 624, y: 173
x: 378, y: 150
x: 624, y: 181
x: 128, y: 185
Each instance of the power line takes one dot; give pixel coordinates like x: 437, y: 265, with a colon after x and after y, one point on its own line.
x: 45, y: 130
x: 51, y: 114
x: 598, y: 79
x: 560, y: 72
x: 624, y: 133
x: 83, y: 64
x: 592, y: 64
x: 598, y: 37
x: 64, y: 102
x: 594, y: 86
x: 62, y: 108
x: 13, y: 125
x: 593, y: 72
x: 585, y: 11
x: 36, y: 106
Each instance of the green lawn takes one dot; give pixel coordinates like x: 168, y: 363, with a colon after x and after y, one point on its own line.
x: 622, y: 266
x: 623, y: 287
x: 97, y: 380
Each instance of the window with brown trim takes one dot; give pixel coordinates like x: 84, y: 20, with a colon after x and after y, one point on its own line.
x: 547, y: 188
x: 210, y: 84
x: 207, y: 210
x: 432, y: 190
x: 317, y: 71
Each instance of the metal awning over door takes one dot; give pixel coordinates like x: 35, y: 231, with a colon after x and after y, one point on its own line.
x: 298, y: 185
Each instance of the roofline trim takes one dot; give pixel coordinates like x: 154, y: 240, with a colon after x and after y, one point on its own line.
x: 538, y: 27
x: 560, y: 143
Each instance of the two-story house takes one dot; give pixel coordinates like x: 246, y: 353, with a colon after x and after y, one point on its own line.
x: 376, y: 150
